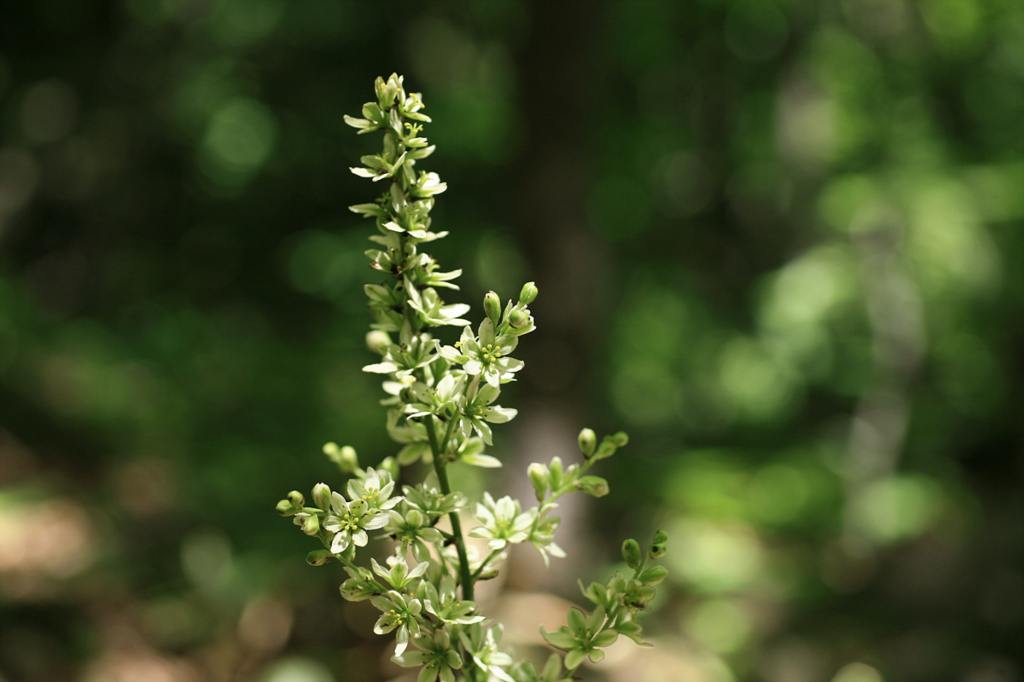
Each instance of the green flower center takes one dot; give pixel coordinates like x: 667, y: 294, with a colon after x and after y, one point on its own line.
x: 489, y: 353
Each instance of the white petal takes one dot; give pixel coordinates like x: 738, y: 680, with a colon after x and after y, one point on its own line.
x: 339, y: 543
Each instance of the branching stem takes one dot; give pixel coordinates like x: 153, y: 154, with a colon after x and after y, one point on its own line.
x: 460, y: 544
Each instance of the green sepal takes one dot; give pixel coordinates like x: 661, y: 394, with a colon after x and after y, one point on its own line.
x: 653, y: 575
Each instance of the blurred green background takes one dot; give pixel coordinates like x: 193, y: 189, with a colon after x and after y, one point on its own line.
x: 777, y: 241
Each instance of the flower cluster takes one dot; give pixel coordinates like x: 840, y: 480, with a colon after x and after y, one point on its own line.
x: 441, y: 402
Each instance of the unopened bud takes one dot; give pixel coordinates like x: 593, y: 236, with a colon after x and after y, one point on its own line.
x: 528, y: 294
x: 311, y: 525
x: 518, y: 318
x: 390, y: 465
x: 344, y: 457
x: 296, y: 498
x: 657, y: 551
x: 378, y: 341
x: 593, y: 485
x: 319, y: 557
x: 620, y: 439
x: 492, y: 306
x: 285, y: 508
x: 631, y: 553
x: 605, y: 449
x: 556, y: 473
x: 660, y: 537
x: 356, y: 590
x: 540, y: 479
x: 322, y: 496
x: 588, y: 441
x: 414, y: 518
x: 653, y: 575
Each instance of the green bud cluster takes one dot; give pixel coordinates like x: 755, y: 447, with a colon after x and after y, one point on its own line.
x: 441, y: 402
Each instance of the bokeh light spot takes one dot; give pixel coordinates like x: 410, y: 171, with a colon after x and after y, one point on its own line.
x: 955, y: 25
x: 297, y: 670
x: 806, y: 288
x: 898, y: 507
x: 754, y: 383
x: 858, y: 672
x: 778, y: 493
x: 946, y: 239
x: 241, y: 22
x: 206, y: 558
x: 645, y: 392
x: 239, y: 139
x: 720, y: 624
x: 715, y: 558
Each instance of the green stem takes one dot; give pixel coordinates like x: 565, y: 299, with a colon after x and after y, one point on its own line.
x: 481, y: 567
x: 450, y: 430
x: 460, y: 544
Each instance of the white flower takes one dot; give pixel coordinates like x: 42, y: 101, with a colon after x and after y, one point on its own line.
x: 349, y: 522
x: 503, y: 521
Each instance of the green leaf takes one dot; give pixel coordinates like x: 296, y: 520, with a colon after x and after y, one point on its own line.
x: 606, y: 638
x: 574, y: 658
x: 560, y: 639
x: 577, y: 622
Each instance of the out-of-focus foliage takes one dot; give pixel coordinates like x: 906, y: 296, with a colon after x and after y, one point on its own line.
x: 795, y: 224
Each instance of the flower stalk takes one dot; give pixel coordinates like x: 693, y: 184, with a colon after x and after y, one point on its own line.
x: 444, y: 633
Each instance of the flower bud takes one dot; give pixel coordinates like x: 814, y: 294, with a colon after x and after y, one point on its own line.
x: 653, y: 575
x: 606, y: 449
x: 528, y: 294
x: 660, y: 537
x: 492, y: 306
x: 319, y: 557
x: 344, y: 457
x: 356, y: 590
x: 593, y: 485
x: 322, y: 496
x: 378, y: 341
x: 414, y: 518
x: 518, y: 318
x: 285, y: 508
x: 657, y: 551
x: 540, y: 479
x: 588, y: 441
x: 631, y: 553
x: 390, y: 465
x: 556, y: 471
x: 311, y: 525
x: 296, y: 498
x: 620, y: 439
